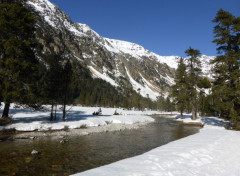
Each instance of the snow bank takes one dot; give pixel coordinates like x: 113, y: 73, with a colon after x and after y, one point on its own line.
x: 186, y: 119
x: 213, y: 151
x: 77, y: 117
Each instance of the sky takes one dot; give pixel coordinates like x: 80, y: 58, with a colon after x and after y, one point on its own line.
x: 166, y: 27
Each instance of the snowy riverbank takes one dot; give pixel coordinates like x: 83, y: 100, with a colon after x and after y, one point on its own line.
x: 77, y: 117
x: 213, y: 151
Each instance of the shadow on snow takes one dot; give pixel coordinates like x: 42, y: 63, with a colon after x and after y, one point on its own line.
x: 213, y: 121
x: 44, y: 116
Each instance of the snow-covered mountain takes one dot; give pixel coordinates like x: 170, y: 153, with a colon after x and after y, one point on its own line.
x: 121, y: 63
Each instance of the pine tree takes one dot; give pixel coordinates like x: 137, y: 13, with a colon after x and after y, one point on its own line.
x: 179, y: 92
x: 160, y: 102
x: 67, y: 86
x: 168, y: 105
x: 18, y: 64
x: 203, y: 84
x: 194, y: 73
x: 226, y: 88
x: 52, y: 82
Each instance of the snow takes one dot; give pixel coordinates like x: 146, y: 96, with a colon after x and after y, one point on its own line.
x: 137, y: 51
x: 214, y: 151
x: 150, y: 86
x: 186, y: 119
x: 53, y: 16
x: 109, y: 46
x: 207, y: 66
x: 85, y: 56
x: 77, y: 116
x: 103, y: 76
x: 78, y: 58
x: 73, y: 29
x: 128, y: 48
x: 85, y: 29
x: 117, y: 73
x: 144, y: 91
x: 169, y: 79
x: 171, y: 61
x: 44, y: 7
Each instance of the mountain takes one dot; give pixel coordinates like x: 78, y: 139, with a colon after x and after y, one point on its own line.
x: 122, y: 64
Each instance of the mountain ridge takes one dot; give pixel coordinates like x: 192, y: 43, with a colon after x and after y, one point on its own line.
x: 120, y: 63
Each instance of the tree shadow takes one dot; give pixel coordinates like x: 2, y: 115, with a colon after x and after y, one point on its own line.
x: 185, y: 116
x: 44, y: 116
x: 213, y: 121
x: 76, y: 116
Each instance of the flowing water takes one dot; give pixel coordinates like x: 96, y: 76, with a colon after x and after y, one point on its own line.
x: 81, y: 153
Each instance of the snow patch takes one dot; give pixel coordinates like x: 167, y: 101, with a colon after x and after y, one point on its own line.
x: 144, y: 91
x: 103, y: 76
x: 53, y: 16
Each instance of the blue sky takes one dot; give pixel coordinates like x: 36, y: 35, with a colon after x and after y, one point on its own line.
x: 166, y: 27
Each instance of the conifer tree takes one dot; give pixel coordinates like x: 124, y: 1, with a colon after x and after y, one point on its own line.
x: 194, y: 73
x: 52, y: 82
x: 226, y: 88
x: 179, y: 92
x: 168, y: 105
x: 18, y: 63
x: 203, y: 84
x: 67, y: 85
x: 160, y: 103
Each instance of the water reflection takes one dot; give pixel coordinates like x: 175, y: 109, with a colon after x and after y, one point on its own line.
x: 85, y: 152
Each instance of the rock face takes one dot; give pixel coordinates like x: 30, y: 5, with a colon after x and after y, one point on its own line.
x: 122, y: 64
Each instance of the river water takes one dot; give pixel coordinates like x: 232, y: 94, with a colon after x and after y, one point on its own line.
x: 81, y: 153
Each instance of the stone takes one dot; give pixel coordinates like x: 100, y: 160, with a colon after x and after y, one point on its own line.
x: 35, y: 152
x: 63, y: 141
x: 28, y: 160
x: 33, y: 137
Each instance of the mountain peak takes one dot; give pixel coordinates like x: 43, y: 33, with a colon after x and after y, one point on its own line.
x: 121, y: 63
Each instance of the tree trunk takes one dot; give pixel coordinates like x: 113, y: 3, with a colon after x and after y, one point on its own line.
x: 6, y: 110
x: 64, y: 111
x: 181, y: 113
x: 202, y: 106
x: 64, y: 106
x: 55, y: 115
x: 194, y: 111
x: 188, y: 108
x: 51, y: 115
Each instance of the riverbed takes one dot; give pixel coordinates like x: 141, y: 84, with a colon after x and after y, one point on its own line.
x: 64, y: 156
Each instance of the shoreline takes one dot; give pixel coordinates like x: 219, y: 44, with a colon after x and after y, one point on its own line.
x: 80, y: 121
x: 78, y: 131
x: 13, y: 134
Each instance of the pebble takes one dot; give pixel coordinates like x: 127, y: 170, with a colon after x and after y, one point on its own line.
x: 63, y: 141
x: 35, y: 152
x: 33, y: 137
x: 28, y: 159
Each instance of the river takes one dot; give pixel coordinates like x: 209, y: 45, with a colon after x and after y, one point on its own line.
x: 81, y: 153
